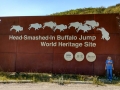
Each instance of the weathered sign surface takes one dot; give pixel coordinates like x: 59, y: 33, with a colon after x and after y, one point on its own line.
x: 60, y: 44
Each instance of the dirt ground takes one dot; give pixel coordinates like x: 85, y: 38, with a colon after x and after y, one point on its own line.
x: 55, y: 86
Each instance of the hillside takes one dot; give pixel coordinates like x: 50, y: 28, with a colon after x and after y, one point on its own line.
x: 91, y: 10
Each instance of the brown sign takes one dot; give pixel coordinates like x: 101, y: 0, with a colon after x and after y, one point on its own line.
x: 60, y: 44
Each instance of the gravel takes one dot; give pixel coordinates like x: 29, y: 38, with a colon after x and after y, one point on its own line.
x: 55, y: 86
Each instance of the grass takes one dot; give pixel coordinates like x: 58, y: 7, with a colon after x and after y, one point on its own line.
x: 35, y: 77
x: 102, y: 80
x: 62, y: 78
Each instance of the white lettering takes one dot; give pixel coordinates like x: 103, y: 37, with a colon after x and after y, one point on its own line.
x: 11, y: 37
x: 48, y: 37
x: 87, y: 38
x: 48, y: 44
x: 69, y: 44
x: 66, y: 37
x: 89, y: 44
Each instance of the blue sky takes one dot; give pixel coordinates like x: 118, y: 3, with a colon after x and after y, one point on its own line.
x: 46, y: 7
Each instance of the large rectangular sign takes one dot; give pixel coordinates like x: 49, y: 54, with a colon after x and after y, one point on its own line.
x: 60, y: 44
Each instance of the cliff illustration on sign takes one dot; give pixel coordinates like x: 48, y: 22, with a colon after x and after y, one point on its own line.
x: 64, y: 44
x: 105, y: 34
x: 88, y: 25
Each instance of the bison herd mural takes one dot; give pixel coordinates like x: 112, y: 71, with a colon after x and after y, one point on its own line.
x: 88, y: 25
x: 76, y: 44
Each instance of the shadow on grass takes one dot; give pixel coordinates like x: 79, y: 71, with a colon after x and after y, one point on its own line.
x: 115, y: 81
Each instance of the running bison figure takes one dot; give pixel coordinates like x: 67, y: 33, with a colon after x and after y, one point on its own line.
x: 50, y: 24
x: 35, y: 25
x: 74, y: 24
x: 92, y: 23
x: 84, y: 27
x: 17, y: 28
x: 61, y: 27
x: 79, y: 26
